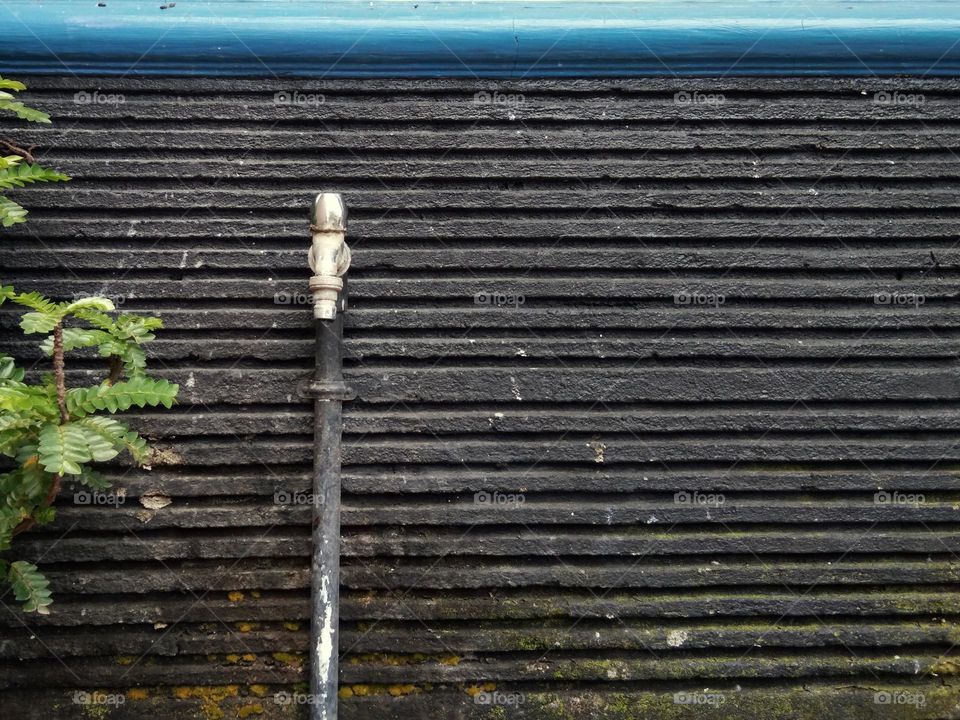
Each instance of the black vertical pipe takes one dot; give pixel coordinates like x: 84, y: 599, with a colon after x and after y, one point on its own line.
x: 329, y: 258
x: 325, y: 562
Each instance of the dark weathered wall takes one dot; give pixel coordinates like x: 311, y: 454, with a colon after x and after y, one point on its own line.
x: 597, y: 399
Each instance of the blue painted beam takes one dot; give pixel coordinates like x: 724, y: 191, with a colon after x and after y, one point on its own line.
x: 267, y: 38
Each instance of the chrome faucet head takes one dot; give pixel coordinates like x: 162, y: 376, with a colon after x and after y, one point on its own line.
x: 328, y: 214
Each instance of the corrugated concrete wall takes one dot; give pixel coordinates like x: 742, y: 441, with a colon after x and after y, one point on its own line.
x: 634, y: 359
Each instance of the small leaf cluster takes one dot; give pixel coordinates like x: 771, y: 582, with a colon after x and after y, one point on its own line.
x: 50, y: 432
x: 17, y: 171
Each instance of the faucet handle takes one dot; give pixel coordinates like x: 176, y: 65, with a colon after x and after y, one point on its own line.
x: 328, y: 213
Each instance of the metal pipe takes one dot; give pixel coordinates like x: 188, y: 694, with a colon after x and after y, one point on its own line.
x: 329, y: 258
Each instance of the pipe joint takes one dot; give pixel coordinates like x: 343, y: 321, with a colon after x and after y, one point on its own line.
x: 329, y: 255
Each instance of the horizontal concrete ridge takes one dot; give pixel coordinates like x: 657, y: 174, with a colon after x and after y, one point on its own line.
x: 657, y: 406
x: 482, y: 39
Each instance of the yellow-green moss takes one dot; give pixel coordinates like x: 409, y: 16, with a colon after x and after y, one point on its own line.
x: 235, y: 659
x: 369, y: 690
x: 251, y: 709
x: 945, y: 666
x: 530, y: 643
x: 403, y: 659
x: 96, y: 712
x: 210, y: 697
x: 292, y: 659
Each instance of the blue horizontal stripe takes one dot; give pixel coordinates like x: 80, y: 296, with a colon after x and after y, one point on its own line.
x: 266, y: 38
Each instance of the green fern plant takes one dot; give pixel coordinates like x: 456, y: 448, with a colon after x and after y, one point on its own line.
x: 20, y: 169
x: 51, y: 432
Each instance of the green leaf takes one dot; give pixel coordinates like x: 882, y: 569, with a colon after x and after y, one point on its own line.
x: 26, y: 173
x: 100, y: 441
x: 15, y: 433
x: 140, y: 391
x: 92, y: 479
x: 63, y: 448
x: 29, y: 587
x: 35, y: 301
x: 11, y: 398
x: 96, y: 318
x: 10, y: 212
x: 44, y: 515
x: 26, y: 453
x: 22, y: 111
x: 34, y: 482
x: 121, y: 338
x: 138, y: 328
x: 9, y: 369
x: 25, y: 485
x: 134, y: 361
x: 38, y: 322
x: 116, y: 433
x: 12, y: 84
x: 74, y: 338
x: 90, y: 303
x: 10, y: 517
x: 29, y: 402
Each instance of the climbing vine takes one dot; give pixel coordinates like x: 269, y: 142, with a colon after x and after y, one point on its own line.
x: 50, y: 432
x: 20, y: 168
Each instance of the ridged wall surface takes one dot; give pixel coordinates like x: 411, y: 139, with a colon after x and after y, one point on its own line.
x: 573, y: 504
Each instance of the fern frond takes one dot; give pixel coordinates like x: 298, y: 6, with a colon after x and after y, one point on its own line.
x: 38, y: 322
x: 96, y: 318
x: 116, y: 433
x: 24, y: 112
x: 141, y: 391
x: 30, y: 587
x: 10, y: 212
x: 9, y: 370
x: 137, y: 328
x: 95, y: 303
x: 11, y: 398
x: 133, y: 357
x: 26, y: 173
x: 103, y: 440
x: 63, y: 448
x: 35, y: 301
x: 26, y: 453
x: 10, y: 517
x: 16, y: 433
x: 24, y: 485
x: 14, y: 85
x: 74, y: 338
x: 92, y: 479
x: 27, y: 401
